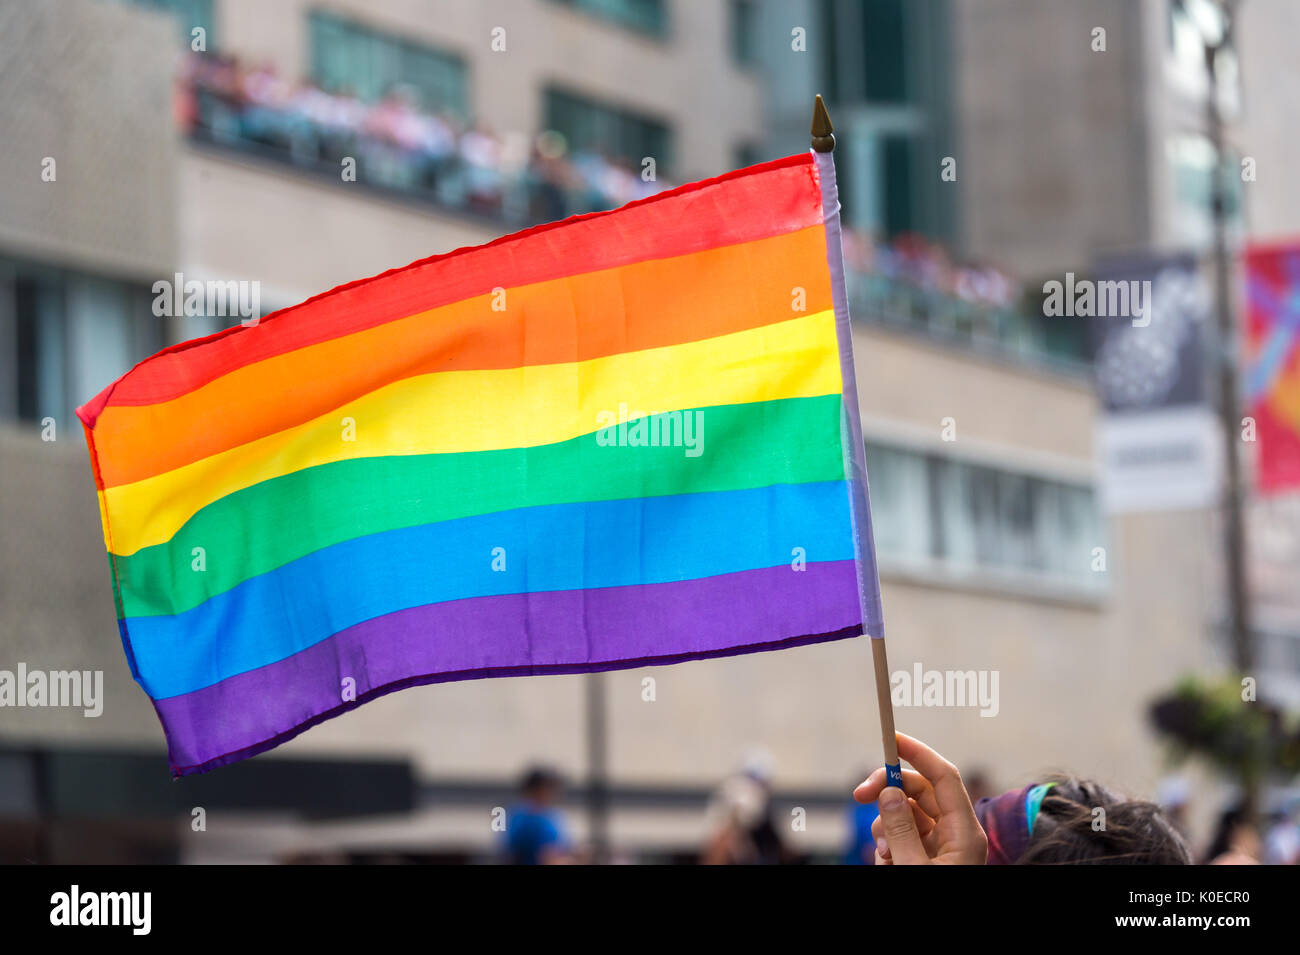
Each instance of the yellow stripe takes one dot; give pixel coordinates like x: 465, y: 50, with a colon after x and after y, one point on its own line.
x: 484, y: 410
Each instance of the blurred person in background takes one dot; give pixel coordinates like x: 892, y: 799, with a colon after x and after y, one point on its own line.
x: 1282, y: 840
x: 931, y: 821
x: 266, y: 117
x: 1173, y: 795
x: 978, y: 785
x: 536, y: 833
x: 481, y: 157
x: 391, y: 149
x: 218, y: 94
x: 589, y: 167
x: 861, y: 849
x: 327, y: 133
x: 1236, y: 841
x: 547, y: 177
x: 740, y: 826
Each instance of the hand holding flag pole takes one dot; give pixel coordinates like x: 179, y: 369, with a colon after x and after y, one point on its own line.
x: 823, y: 144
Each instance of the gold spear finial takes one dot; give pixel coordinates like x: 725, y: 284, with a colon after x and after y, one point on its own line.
x: 823, y: 139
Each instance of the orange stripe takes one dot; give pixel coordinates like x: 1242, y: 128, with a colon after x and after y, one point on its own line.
x: 647, y: 304
x: 765, y: 200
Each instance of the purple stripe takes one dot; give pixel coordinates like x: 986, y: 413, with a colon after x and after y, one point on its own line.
x: 855, y: 451
x: 574, y: 631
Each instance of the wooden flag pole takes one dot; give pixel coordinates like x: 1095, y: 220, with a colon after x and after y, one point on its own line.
x: 823, y: 141
x: 893, y: 771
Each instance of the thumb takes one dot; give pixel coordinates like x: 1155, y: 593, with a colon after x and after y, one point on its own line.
x: 899, y: 826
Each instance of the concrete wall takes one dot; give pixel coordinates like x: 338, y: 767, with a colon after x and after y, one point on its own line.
x: 1270, y: 115
x: 102, y: 110
x: 56, y: 601
x: 1051, y: 144
x: 87, y: 84
x: 298, y: 236
x: 1064, y: 151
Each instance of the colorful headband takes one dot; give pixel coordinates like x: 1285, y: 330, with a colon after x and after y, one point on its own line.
x: 1008, y: 821
x: 1033, y: 803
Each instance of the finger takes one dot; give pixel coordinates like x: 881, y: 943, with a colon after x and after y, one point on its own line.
x: 924, y: 824
x: 899, y: 825
x: 961, y: 827
x: 933, y: 842
x: 878, y: 837
x: 943, y: 776
x: 914, y: 784
x: 867, y: 790
x: 927, y: 828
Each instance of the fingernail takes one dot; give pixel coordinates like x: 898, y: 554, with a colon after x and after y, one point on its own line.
x: 891, y: 797
x: 882, y: 846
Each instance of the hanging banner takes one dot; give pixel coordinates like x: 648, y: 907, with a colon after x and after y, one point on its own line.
x: 1271, y: 368
x: 1157, y: 436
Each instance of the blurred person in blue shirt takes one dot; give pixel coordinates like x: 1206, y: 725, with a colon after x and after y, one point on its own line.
x: 861, y: 849
x: 535, y: 830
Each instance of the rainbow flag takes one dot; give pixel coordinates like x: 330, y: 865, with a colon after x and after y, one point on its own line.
x: 613, y: 441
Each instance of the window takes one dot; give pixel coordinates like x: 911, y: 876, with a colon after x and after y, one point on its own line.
x: 900, y: 514
x: 1192, y: 163
x: 744, y: 32
x: 590, y: 126
x: 1191, y: 24
x: 189, y: 14
x: 865, y: 47
x: 748, y: 154
x: 884, y: 46
x: 899, y: 158
x: 936, y: 513
x: 347, y: 56
x: 70, y: 336
x: 648, y: 16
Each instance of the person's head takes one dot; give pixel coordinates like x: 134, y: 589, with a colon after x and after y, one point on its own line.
x: 978, y: 784
x: 759, y: 766
x: 1174, y: 794
x: 541, y: 785
x: 1070, y: 821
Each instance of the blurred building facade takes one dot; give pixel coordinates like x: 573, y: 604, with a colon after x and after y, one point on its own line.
x: 1131, y: 171
x: 979, y: 418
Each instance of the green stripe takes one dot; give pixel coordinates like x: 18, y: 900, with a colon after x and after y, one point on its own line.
x: 791, y: 441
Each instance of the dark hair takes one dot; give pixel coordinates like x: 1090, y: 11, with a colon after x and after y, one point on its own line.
x: 536, y: 777
x: 1229, y: 820
x: 1135, y: 832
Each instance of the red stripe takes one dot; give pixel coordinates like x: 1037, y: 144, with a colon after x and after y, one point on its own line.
x: 757, y: 202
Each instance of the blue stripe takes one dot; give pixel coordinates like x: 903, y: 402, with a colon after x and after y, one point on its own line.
x: 553, y: 547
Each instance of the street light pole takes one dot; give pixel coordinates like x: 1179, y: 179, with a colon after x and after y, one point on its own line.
x: 1237, y: 590
x: 1229, y: 401
x: 597, y: 769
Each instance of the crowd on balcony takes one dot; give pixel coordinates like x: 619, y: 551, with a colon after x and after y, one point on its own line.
x: 524, y: 179
x: 398, y: 145
x: 916, y: 282
x: 916, y: 261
